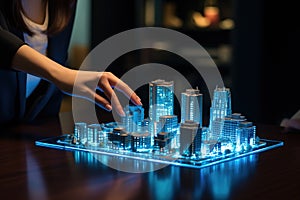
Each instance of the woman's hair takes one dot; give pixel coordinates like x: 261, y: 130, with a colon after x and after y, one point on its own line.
x: 60, y: 12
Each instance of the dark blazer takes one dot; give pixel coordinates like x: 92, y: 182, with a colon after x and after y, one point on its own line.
x: 46, y: 99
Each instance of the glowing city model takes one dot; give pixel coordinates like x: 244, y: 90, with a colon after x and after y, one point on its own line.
x: 161, y: 138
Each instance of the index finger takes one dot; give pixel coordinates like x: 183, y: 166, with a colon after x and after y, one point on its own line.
x: 126, y: 90
x: 110, y: 93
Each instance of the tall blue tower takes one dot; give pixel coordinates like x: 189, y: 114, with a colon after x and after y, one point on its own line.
x: 220, y: 107
x: 191, y: 106
x: 161, y: 99
x: 221, y: 103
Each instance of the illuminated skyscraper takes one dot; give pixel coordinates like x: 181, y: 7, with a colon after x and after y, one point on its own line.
x: 133, y: 119
x: 191, y: 106
x: 93, y: 134
x: 190, y: 138
x: 162, y: 134
x: 169, y: 124
x: 220, y: 107
x: 137, y: 112
x: 245, y: 136
x: 221, y: 104
x: 80, y: 132
x: 161, y: 99
x: 230, y: 126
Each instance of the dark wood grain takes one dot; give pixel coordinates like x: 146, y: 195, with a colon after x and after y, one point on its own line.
x: 31, y: 172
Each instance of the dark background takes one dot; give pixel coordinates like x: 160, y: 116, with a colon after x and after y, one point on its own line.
x: 262, y: 74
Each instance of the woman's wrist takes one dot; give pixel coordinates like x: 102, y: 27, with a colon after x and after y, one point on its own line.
x: 63, y: 78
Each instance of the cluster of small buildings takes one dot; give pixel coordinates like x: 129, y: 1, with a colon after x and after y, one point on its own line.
x: 162, y: 133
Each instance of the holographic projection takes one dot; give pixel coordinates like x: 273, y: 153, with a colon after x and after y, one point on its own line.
x: 163, y: 138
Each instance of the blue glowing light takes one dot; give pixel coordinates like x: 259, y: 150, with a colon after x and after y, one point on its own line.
x: 161, y: 138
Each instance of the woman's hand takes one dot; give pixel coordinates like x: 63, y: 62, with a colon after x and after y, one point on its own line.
x: 293, y: 122
x: 78, y: 83
x: 85, y: 83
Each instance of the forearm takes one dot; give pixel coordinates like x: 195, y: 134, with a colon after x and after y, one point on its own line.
x: 30, y: 61
x: 9, y: 45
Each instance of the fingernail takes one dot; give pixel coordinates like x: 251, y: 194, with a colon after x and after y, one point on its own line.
x: 138, y: 101
x: 108, y: 107
x: 122, y: 113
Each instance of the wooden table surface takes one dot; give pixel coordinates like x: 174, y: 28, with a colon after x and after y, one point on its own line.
x: 32, y: 172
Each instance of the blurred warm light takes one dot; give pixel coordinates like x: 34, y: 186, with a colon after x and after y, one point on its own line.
x: 149, y: 13
x: 170, y: 19
x: 212, y: 14
x: 173, y: 22
x: 199, y: 20
x: 227, y: 24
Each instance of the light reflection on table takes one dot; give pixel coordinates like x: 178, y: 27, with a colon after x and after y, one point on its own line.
x: 221, y: 177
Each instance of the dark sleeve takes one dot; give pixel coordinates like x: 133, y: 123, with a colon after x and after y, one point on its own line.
x: 9, y: 45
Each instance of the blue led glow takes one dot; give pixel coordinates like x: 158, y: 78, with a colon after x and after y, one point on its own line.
x: 161, y: 100
x: 191, y: 106
x: 162, y: 139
